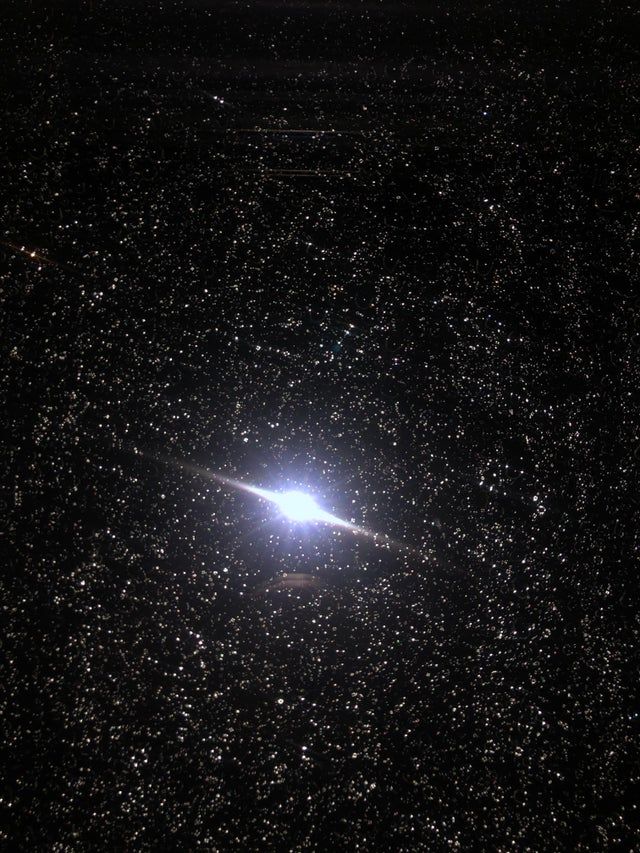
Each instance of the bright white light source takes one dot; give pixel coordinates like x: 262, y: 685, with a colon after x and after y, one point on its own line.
x: 299, y: 507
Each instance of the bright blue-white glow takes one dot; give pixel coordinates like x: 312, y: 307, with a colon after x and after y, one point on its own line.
x: 299, y: 506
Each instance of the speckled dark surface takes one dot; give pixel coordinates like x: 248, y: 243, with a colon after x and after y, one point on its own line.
x: 385, y: 253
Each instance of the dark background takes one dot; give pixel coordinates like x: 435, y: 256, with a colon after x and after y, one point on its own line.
x: 428, y: 316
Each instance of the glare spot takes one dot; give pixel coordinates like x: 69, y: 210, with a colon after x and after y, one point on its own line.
x: 299, y: 506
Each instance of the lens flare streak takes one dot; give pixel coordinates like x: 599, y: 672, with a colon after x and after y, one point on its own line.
x: 297, y: 506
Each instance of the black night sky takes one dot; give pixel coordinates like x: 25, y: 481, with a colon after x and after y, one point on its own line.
x: 383, y: 253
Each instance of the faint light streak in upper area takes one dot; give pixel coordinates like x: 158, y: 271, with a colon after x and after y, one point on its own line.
x: 32, y: 254
x: 309, y: 131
